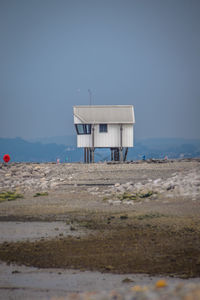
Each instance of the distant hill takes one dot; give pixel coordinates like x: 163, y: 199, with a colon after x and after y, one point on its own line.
x: 24, y: 151
x: 68, y: 140
x: 43, y: 151
x: 161, y: 147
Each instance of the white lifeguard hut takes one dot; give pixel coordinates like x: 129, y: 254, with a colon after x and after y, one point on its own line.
x: 105, y: 126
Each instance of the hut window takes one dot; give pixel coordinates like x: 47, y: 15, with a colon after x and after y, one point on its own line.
x: 83, y: 128
x: 103, y: 128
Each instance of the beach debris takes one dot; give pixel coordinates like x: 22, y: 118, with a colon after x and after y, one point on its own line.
x: 161, y: 283
x: 6, y: 158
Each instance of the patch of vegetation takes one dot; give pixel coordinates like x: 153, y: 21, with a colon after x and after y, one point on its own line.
x: 123, y: 217
x: 16, y: 272
x: 9, y: 196
x: 150, y: 216
x: 127, y: 196
x: 40, y: 194
x: 105, y: 198
x: 127, y: 280
x: 90, y: 224
x: 145, y: 195
x: 189, y: 229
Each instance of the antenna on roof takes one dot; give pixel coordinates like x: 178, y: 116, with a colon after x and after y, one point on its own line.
x: 90, y: 96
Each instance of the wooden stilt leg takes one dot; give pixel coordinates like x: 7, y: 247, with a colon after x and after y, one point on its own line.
x: 92, y: 155
x: 90, y: 152
x: 126, y: 152
x: 87, y: 156
x: 121, y: 154
x: 84, y: 155
x: 111, y: 154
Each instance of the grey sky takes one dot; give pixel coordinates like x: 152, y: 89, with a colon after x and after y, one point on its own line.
x: 140, y: 52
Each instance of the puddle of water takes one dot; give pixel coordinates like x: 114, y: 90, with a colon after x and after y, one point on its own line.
x: 20, y: 282
x: 22, y: 231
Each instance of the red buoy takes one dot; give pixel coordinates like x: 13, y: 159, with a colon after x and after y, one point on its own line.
x: 6, y: 158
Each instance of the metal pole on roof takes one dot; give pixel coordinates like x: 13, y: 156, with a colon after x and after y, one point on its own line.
x: 90, y: 96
